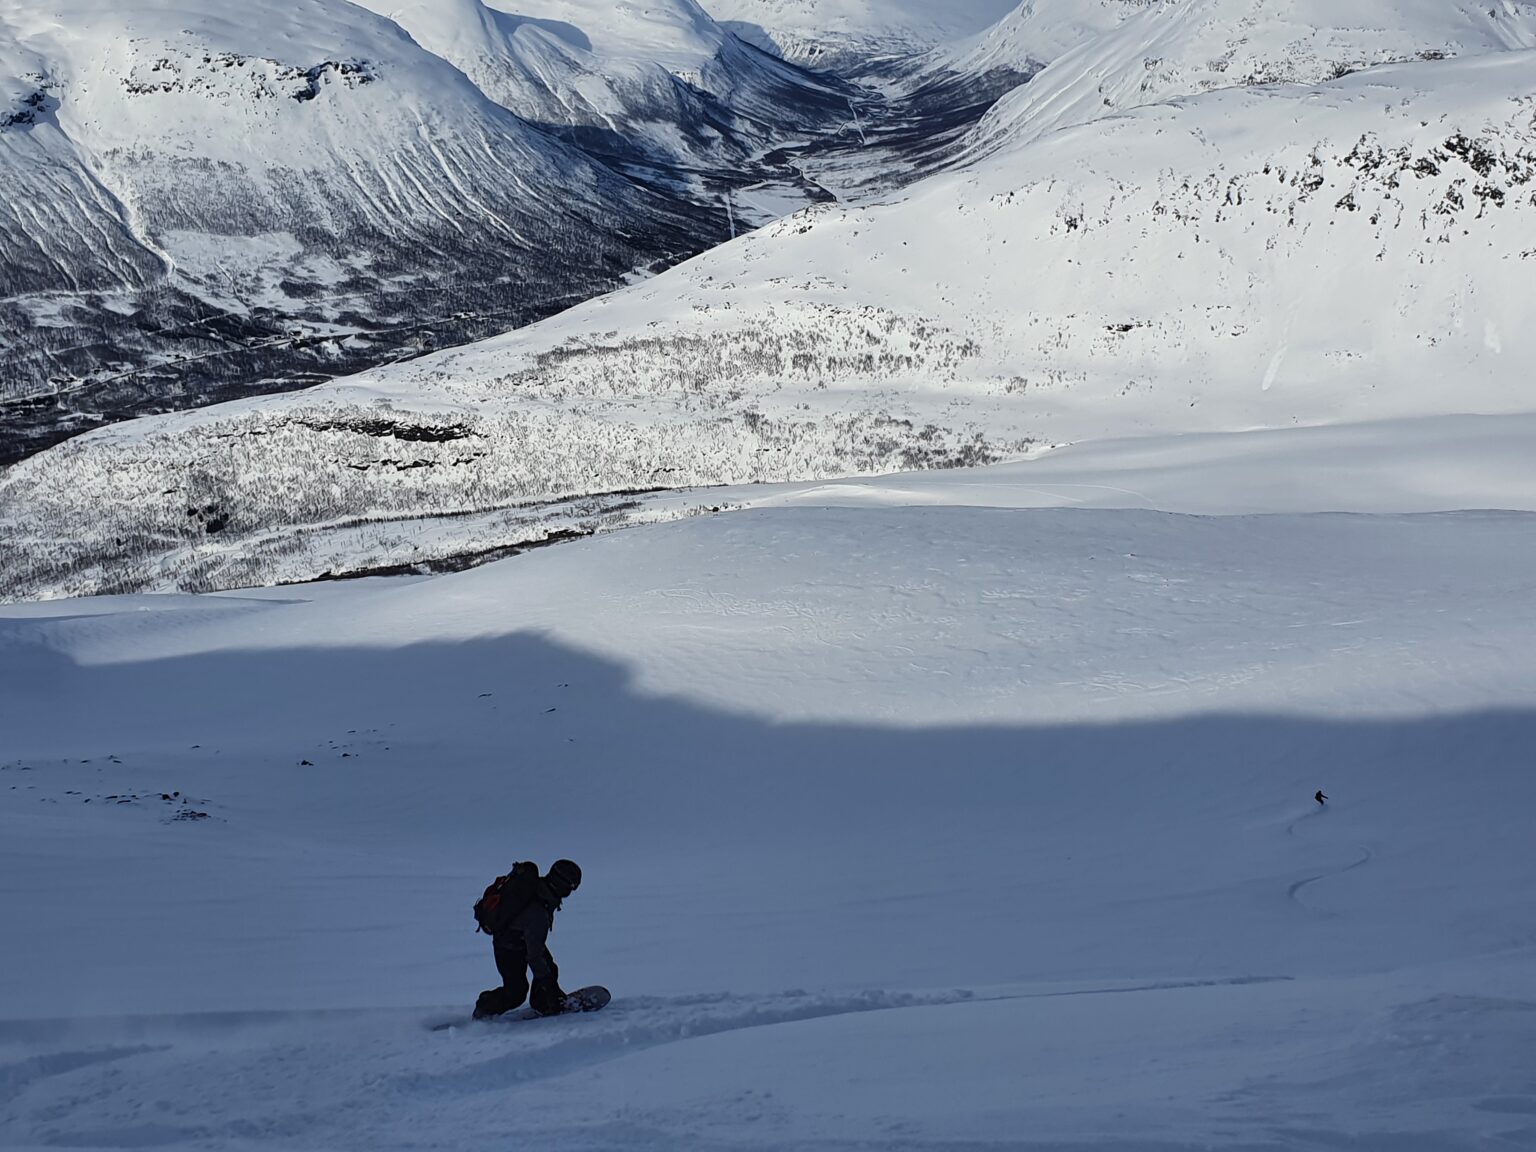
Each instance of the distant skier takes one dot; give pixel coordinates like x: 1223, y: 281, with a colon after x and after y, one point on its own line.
x: 1322, y: 801
x: 518, y: 911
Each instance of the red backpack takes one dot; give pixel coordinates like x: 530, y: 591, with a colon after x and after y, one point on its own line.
x: 506, y: 896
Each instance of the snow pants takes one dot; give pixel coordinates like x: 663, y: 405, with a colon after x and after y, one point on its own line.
x: 512, y: 963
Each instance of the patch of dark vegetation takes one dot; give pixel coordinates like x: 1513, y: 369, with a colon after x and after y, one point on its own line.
x: 349, y: 72
x: 381, y: 428
x: 1474, y: 153
x: 260, y: 77
x: 212, y: 518
x: 454, y: 562
x: 33, y: 105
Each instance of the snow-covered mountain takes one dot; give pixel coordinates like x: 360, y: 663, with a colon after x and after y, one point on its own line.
x: 187, y: 186
x: 259, y: 257
x: 1018, y: 46
x: 659, y: 82
x: 1196, y: 265
x: 825, y: 33
x: 1167, y: 50
x: 1037, y: 31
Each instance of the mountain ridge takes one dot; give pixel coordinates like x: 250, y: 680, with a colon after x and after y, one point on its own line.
x: 213, y: 203
x: 1187, y: 266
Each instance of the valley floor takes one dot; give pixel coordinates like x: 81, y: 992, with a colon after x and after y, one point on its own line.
x: 907, y: 823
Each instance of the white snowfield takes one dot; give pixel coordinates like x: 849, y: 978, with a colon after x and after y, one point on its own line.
x: 907, y: 823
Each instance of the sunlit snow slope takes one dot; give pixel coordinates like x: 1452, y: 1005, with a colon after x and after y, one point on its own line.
x: 1035, y: 33
x: 821, y: 32
x: 1167, y: 50
x: 659, y: 82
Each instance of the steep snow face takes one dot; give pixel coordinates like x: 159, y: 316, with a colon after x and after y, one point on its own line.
x: 661, y: 80
x: 61, y: 230
x: 1037, y: 32
x: 1173, y: 49
x: 823, y: 32
x: 1256, y: 257
x: 287, y: 171
x: 677, y: 34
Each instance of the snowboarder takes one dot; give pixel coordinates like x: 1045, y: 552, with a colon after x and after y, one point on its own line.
x: 519, y: 921
x: 1322, y: 801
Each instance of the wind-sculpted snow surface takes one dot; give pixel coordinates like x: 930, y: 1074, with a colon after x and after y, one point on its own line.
x: 1198, y: 266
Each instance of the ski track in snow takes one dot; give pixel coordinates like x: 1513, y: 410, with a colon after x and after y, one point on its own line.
x: 364, y: 1079
x: 477, y: 1058
x: 1293, y: 893
x: 1295, y: 890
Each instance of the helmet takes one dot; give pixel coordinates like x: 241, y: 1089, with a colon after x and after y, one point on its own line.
x: 564, y: 877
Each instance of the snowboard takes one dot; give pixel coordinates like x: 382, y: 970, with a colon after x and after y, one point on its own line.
x: 588, y: 999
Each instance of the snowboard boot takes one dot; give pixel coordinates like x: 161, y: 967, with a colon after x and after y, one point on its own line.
x: 546, y: 998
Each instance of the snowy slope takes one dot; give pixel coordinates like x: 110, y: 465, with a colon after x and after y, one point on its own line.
x: 1035, y: 33
x: 191, y: 188
x: 916, y: 826
x: 1168, y: 50
x: 1196, y: 266
x: 825, y: 33
x: 660, y: 81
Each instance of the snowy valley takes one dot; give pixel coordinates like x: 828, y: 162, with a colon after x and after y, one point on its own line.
x: 202, y: 204
x: 1029, y: 641
x: 1193, y: 264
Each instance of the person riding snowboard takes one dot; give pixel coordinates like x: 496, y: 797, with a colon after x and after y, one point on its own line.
x: 1322, y: 801
x: 518, y: 911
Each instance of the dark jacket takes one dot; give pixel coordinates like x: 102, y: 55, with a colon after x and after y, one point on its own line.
x: 528, y: 927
